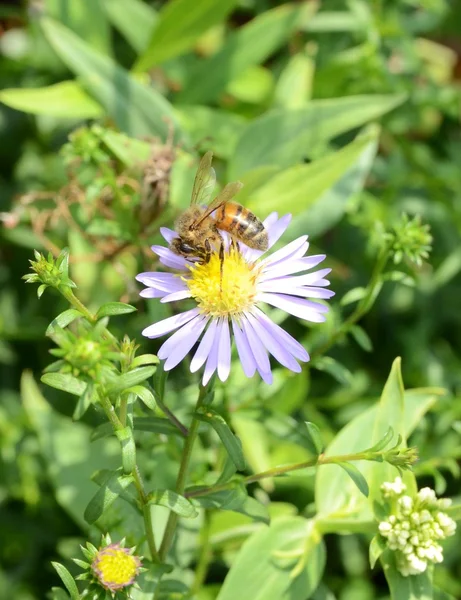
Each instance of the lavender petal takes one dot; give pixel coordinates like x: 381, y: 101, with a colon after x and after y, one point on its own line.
x: 175, y: 296
x: 244, y: 351
x: 259, y: 351
x: 289, y: 267
x: 224, y: 351
x: 296, y: 349
x: 169, y: 282
x: 204, y: 348
x: 273, y: 345
x: 181, y: 342
x: 293, y: 250
x: 298, y: 307
x: 168, y: 234
x: 212, y: 360
x: 170, y: 259
x: 167, y: 325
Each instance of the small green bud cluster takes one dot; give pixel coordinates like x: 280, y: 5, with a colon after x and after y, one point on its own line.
x: 410, y: 239
x: 415, y: 526
x: 50, y: 272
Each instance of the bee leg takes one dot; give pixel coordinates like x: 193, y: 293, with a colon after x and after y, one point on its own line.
x: 207, y: 251
x: 221, y: 265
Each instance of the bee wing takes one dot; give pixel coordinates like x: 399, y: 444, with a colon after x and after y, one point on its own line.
x: 229, y: 191
x: 205, y: 180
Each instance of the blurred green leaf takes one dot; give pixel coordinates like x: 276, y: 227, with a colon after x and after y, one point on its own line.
x: 253, y: 436
x: 180, y: 23
x: 283, y: 137
x: 377, y: 546
x: 65, y: 100
x: 294, y: 85
x: 155, y: 425
x: 136, y: 108
x: 174, y: 502
x: 114, y: 485
x: 361, y: 337
x: 84, y: 402
x: 335, y: 369
x: 415, y: 587
x: 250, y: 45
x: 258, y: 575
x: 314, y: 436
x: 134, y: 19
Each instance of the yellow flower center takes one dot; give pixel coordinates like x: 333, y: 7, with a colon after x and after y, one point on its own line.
x: 115, y: 567
x: 223, y: 287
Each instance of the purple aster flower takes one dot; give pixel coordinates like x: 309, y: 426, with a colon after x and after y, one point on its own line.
x: 229, y: 302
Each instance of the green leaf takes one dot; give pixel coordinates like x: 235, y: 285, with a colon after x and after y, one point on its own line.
x: 63, y: 320
x: 335, y: 494
x: 211, y: 129
x: 334, y: 368
x: 235, y: 498
x: 155, y: 425
x: 63, y: 100
x: 353, y: 295
x: 315, y: 437
x: 377, y: 547
x: 128, y: 380
x: 298, y: 188
x: 356, y: 477
x: 145, y: 394
x: 113, y: 486
x: 415, y: 587
x: 258, y: 572
x: 67, y: 580
x: 383, y: 442
x: 230, y: 442
x: 130, y: 151
x: 134, y: 19
x: 137, y: 109
x: 144, y: 359
x: 64, y: 382
x: 111, y: 309
x: 285, y: 137
x: 361, y: 337
x: 250, y: 45
x: 126, y: 439
x: 180, y: 23
x: 178, y: 504
x: 294, y: 86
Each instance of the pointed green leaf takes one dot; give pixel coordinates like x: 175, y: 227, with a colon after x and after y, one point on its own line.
x: 178, y: 504
x: 136, y: 108
x: 128, y: 380
x: 377, y: 547
x: 111, y: 309
x: 134, y: 19
x: 63, y: 320
x: 146, y: 395
x: 144, y: 359
x: 284, y: 137
x: 180, y: 23
x: 334, y: 368
x: 315, y: 437
x: 383, y: 442
x: 356, y: 477
x: 88, y: 397
x: 63, y: 100
x: 67, y: 580
x: 230, y: 441
x: 64, y: 382
x: 250, y: 45
x: 113, y: 486
x: 361, y: 337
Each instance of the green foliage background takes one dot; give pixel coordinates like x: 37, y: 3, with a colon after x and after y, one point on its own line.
x: 346, y: 114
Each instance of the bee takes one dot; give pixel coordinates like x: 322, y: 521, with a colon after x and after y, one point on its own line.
x: 198, y: 228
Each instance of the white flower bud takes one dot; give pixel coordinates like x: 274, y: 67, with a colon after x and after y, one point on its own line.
x: 384, y: 528
x: 427, y: 495
x: 444, y: 503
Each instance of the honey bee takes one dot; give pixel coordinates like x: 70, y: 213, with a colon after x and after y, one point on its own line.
x: 198, y: 230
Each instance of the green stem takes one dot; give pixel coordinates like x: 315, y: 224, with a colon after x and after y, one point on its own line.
x: 182, y: 476
x: 147, y: 515
x: 363, y: 306
x: 279, y: 471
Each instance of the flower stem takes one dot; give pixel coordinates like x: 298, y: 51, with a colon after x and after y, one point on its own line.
x: 182, y: 476
x: 280, y: 471
x: 205, y: 554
